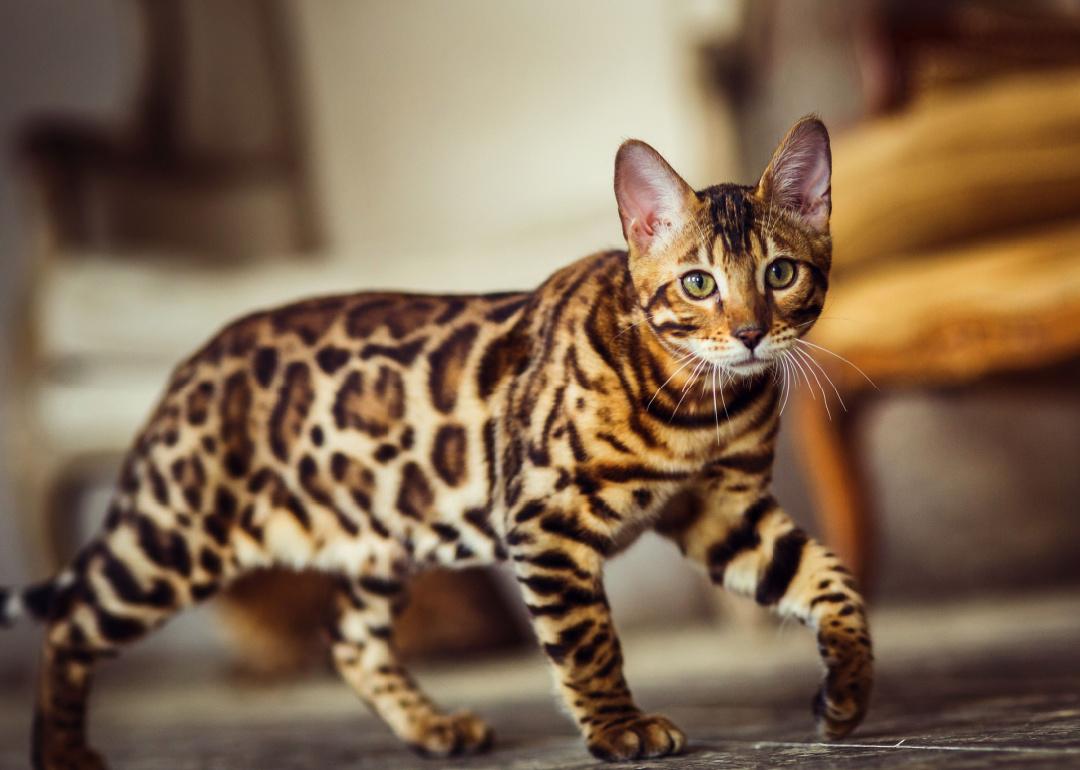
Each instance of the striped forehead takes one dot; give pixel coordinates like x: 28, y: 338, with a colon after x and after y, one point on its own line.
x: 731, y: 217
x: 726, y: 228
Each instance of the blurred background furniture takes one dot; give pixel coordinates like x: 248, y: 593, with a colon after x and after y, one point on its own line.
x: 210, y: 159
x: 956, y: 231
x: 207, y: 168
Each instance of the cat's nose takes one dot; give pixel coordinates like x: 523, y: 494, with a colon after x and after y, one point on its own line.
x: 749, y: 335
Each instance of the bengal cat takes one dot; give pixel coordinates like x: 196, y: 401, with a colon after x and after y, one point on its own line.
x: 373, y: 435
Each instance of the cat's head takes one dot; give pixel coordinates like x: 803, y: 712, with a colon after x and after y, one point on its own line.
x: 732, y: 274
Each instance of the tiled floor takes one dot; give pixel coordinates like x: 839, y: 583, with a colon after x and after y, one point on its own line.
x: 988, y: 684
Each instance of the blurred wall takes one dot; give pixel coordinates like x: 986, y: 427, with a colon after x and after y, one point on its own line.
x: 447, y: 136
x: 72, y: 56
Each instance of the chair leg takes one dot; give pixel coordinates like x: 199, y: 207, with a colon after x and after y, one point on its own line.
x: 830, y: 459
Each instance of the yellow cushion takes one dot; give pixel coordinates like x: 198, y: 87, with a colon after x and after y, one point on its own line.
x: 996, y: 157
x: 957, y: 314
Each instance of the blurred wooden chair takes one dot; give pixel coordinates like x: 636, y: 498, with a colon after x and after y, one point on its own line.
x: 956, y: 233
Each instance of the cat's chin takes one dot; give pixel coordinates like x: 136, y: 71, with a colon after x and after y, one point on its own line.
x: 747, y: 368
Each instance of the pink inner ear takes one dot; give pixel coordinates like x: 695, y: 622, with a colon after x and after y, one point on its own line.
x: 801, y: 175
x: 816, y: 183
x: 638, y: 209
x: 646, y: 225
x: 815, y: 195
x: 649, y: 193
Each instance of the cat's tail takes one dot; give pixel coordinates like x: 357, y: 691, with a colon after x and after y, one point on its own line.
x: 35, y: 601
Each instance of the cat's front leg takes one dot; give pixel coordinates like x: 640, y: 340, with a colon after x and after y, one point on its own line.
x: 751, y: 547
x: 558, y: 557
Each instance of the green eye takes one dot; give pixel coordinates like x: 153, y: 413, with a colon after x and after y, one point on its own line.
x: 699, y: 284
x: 780, y: 274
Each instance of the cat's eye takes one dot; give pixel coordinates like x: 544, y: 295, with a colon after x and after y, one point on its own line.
x: 699, y: 284
x: 780, y: 273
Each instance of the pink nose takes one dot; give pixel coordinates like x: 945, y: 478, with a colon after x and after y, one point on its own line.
x: 749, y: 335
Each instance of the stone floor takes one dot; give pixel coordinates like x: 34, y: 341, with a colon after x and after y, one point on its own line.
x: 974, y: 685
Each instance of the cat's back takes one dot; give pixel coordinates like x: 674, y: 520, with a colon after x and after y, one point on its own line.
x: 371, y: 375
x: 335, y: 331
x: 331, y: 338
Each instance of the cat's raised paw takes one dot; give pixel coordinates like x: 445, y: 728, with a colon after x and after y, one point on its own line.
x: 448, y: 735
x: 640, y: 738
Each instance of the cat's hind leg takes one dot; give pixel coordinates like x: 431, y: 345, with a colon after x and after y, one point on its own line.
x: 131, y: 580
x: 364, y: 656
x: 59, y: 738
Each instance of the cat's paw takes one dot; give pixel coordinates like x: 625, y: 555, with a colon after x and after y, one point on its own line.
x: 841, y: 702
x: 447, y: 735
x: 640, y: 738
x: 70, y: 758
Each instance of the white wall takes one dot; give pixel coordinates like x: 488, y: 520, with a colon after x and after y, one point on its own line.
x: 475, y: 138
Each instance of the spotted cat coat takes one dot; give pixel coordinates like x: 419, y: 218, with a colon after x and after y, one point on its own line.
x: 373, y: 435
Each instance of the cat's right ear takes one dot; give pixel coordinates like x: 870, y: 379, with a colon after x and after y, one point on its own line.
x: 654, y: 201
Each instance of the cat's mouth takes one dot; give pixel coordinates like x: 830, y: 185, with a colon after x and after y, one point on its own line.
x: 750, y: 364
x: 750, y: 360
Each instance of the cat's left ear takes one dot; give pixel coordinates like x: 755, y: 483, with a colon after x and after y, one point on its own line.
x: 654, y: 201
x: 799, y: 176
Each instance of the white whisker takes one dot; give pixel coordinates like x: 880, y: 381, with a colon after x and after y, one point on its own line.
x: 791, y: 373
x: 837, y: 355
x: 777, y: 373
x: 704, y: 382
x: 685, y: 361
x: 824, y: 398
x: 631, y: 326
x: 686, y: 388
x: 823, y: 318
x: 723, y: 401
x: 716, y: 414
x: 690, y: 383
x: 825, y: 374
x: 799, y: 366
x: 787, y: 384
